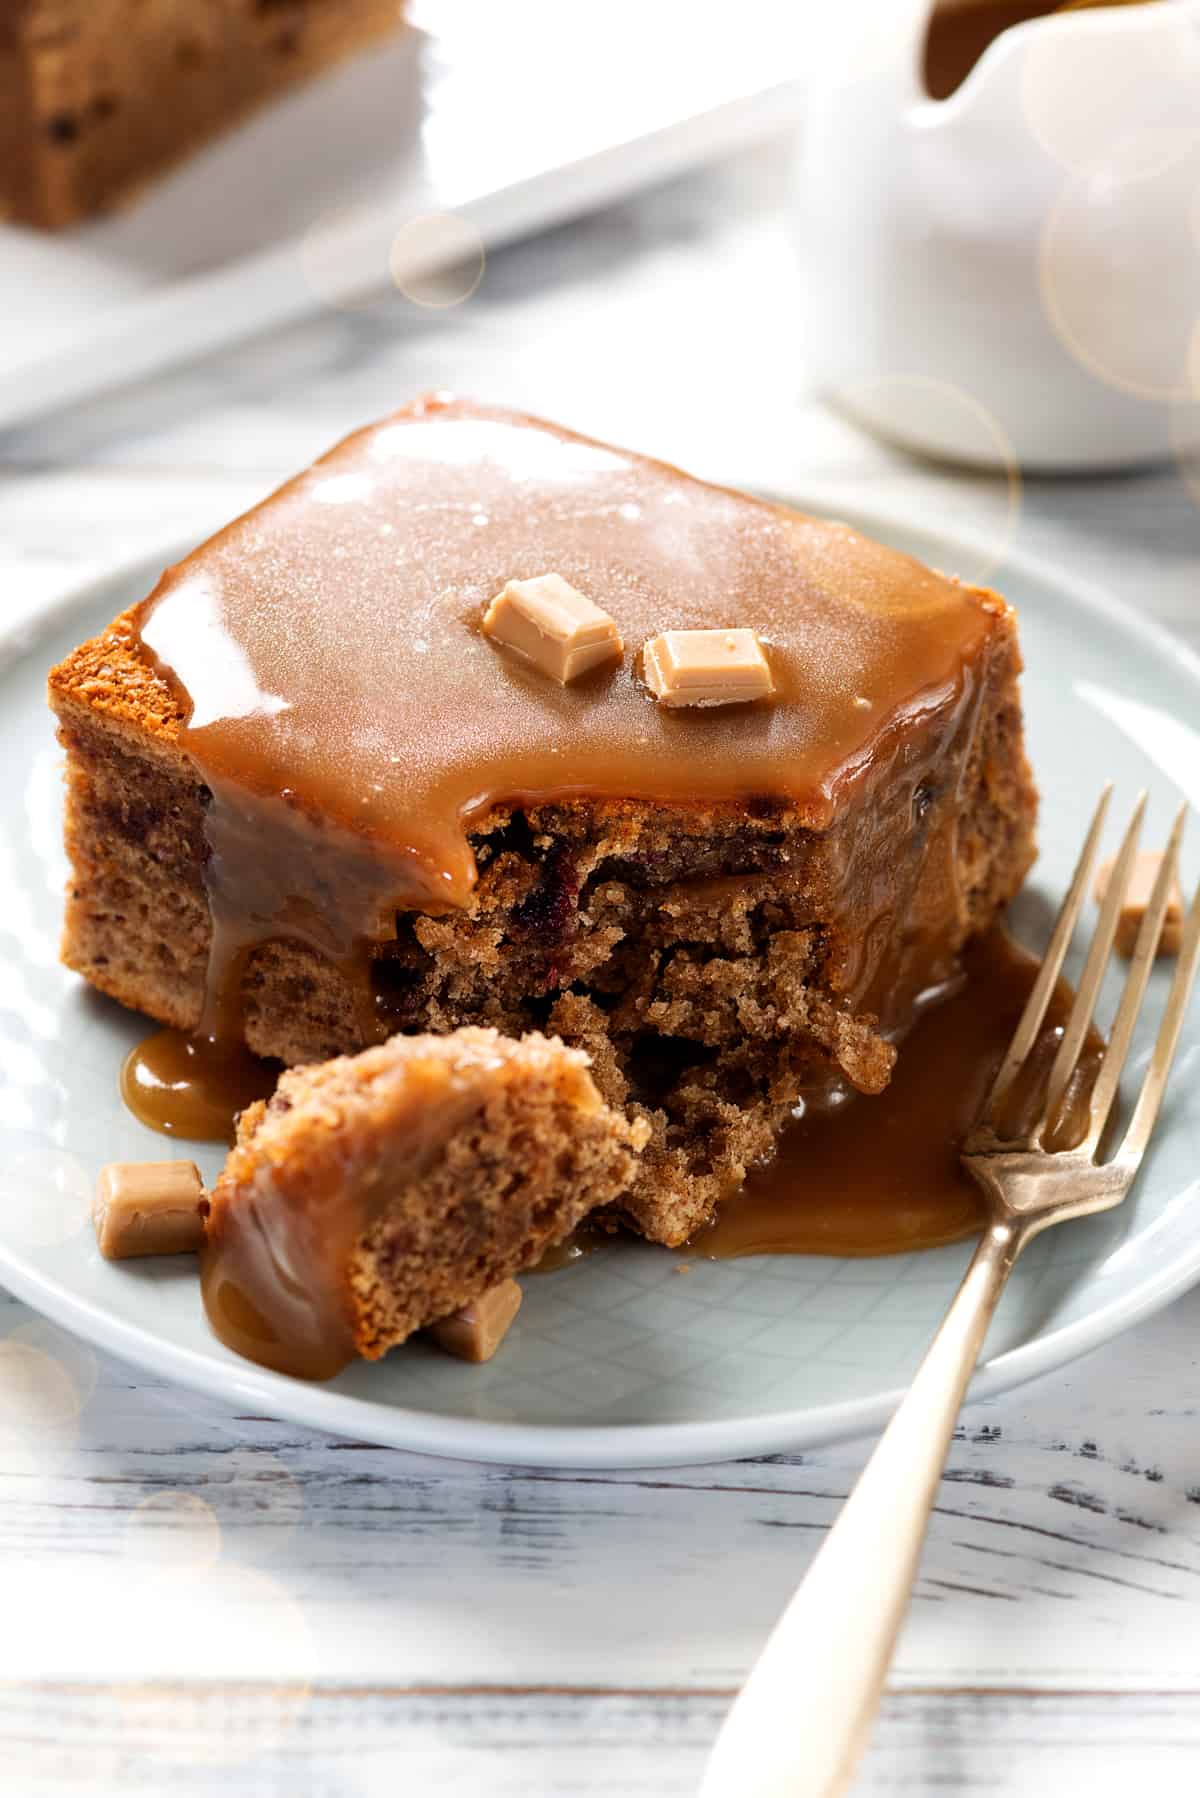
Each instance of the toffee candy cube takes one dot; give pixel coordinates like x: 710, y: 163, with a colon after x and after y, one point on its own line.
x: 476, y: 1332
x: 554, y: 626
x: 704, y: 668
x: 1137, y: 900
x: 148, y: 1208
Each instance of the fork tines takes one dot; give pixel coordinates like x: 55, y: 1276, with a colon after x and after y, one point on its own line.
x: 1075, y: 1032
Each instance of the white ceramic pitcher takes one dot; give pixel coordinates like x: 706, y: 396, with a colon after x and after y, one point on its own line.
x: 1012, y: 271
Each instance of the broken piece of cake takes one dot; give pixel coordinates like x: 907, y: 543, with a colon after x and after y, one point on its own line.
x: 376, y: 1194
x: 311, y: 803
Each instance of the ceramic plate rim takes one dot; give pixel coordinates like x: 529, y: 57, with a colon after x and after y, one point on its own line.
x: 624, y: 1445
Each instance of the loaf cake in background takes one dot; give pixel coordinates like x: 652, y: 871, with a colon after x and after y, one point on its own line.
x: 398, y: 826
x: 99, y: 96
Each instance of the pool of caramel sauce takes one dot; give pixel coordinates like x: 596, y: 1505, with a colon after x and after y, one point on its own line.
x: 854, y: 1176
x: 194, y: 1086
x: 881, y: 1176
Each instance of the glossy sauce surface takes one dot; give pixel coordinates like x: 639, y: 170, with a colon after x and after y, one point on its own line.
x: 881, y: 1176
x: 336, y: 684
x: 867, y: 1176
x: 193, y: 1086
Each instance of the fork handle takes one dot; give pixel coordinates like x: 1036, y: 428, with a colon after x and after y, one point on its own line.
x: 801, y: 1721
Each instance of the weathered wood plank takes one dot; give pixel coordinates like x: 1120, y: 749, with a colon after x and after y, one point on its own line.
x: 65, y: 1742
x: 1065, y: 1550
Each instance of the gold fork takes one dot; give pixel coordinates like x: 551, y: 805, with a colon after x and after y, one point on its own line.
x: 801, y: 1721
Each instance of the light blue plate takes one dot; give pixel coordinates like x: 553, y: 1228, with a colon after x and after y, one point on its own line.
x: 616, y: 1360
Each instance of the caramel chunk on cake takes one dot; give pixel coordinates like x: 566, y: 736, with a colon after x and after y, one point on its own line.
x: 308, y: 797
x: 379, y: 1193
x: 556, y: 628
x: 706, y: 668
x: 99, y: 96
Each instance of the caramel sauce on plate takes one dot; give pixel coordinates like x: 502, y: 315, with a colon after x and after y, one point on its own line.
x: 881, y: 1176
x: 353, y: 727
x: 583, y: 1241
x: 194, y: 1086
x: 853, y: 1176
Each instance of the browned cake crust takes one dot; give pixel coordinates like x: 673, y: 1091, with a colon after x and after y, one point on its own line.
x: 99, y: 96
x: 398, y: 1185
x: 701, y: 954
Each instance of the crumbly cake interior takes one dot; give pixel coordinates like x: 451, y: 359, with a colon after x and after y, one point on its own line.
x: 395, y: 1186
x: 97, y: 96
x: 397, y: 828
x: 689, y: 952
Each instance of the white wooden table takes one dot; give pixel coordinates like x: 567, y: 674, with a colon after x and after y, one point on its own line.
x: 201, y: 1601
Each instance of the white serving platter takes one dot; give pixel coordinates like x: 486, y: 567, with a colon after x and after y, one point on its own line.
x: 614, y: 1360
x: 507, y: 117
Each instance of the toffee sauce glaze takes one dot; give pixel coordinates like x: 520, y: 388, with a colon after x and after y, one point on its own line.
x: 339, y: 620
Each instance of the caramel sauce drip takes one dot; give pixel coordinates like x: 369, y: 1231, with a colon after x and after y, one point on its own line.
x: 583, y: 1241
x: 193, y: 1086
x: 866, y: 1176
x: 353, y: 725
x: 327, y: 652
x: 882, y: 1176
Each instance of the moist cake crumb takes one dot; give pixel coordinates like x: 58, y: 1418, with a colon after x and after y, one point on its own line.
x: 731, y: 911
x: 377, y: 1194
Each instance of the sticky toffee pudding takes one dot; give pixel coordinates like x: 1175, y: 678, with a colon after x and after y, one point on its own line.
x: 312, y: 804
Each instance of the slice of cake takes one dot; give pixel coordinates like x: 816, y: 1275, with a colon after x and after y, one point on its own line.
x: 322, y: 789
x: 98, y: 96
x: 379, y: 1193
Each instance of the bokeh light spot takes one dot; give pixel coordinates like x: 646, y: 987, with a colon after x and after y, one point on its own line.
x: 46, y: 1195
x: 1120, y: 267
x: 174, y: 1529
x: 1085, y: 90
x: 437, y: 260
x: 74, y: 1356
x: 40, y: 1407
x: 911, y: 409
